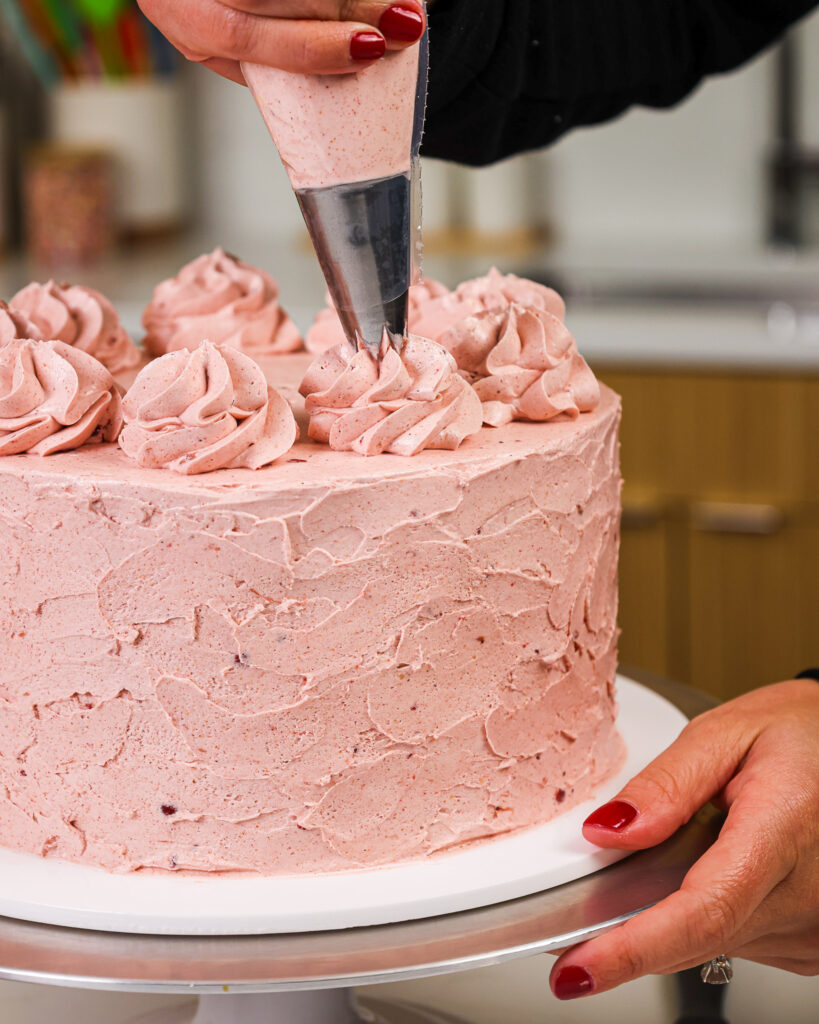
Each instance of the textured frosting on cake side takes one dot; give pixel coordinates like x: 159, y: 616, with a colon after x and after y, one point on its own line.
x: 328, y: 663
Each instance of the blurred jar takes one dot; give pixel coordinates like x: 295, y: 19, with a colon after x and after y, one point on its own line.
x: 5, y: 160
x: 69, y: 205
x: 139, y: 123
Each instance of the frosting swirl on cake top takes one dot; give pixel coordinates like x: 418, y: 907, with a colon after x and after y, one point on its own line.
x: 494, y: 290
x: 195, y: 412
x: 15, y: 324
x: 80, y: 317
x: 224, y: 300
x: 401, y: 404
x: 54, y: 398
x: 524, y: 365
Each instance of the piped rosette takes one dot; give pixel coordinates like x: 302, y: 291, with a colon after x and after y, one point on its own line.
x: 219, y: 297
x: 438, y: 313
x: 15, y: 324
x: 78, y: 316
x: 401, y: 404
x: 523, y: 364
x: 54, y: 398
x: 196, y: 412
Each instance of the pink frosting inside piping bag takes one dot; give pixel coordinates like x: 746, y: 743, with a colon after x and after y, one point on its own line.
x: 335, y: 129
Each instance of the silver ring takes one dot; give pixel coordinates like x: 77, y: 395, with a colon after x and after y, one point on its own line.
x: 718, y: 971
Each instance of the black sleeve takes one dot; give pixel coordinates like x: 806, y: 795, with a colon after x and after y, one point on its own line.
x: 512, y: 75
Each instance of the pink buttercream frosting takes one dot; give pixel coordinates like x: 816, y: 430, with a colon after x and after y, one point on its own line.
x: 54, y: 398
x: 401, y: 404
x: 331, y: 129
x: 329, y: 664
x: 493, y: 291
x: 78, y: 316
x: 195, y: 412
x: 524, y: 364
x: 326, y: 331
x: 219, y: 298
x: 15, y: 324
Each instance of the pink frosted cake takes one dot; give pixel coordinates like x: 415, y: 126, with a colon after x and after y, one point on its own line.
x: 329, y: 662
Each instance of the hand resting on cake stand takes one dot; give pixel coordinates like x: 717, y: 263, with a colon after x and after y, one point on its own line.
x: 306, y: 36
x: 755, y: 893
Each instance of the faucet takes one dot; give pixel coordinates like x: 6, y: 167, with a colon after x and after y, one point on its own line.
x: 792, y: 166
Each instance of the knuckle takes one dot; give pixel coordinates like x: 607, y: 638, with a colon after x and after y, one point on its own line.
x: 714, y: 921
x: 631, y: 962
x: 347, y: 10
x: 308, y: 54
x: 666, y: 785
x: 238, y: 33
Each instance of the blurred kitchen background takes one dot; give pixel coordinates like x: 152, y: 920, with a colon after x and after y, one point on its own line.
x: 686, y: 242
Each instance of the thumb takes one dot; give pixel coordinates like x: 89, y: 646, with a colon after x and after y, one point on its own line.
x: 666, y: 794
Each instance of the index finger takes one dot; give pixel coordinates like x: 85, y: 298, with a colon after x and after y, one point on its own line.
x: 401, y: 21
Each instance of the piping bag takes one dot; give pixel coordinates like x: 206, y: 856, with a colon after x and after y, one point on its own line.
x: 351, y: 147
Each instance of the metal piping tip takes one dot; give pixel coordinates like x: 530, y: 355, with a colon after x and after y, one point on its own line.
x: 363, y: 239
x: 395, y: 341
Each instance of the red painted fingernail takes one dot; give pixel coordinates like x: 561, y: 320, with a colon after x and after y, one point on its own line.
x: 572, y: 983
x: 613, y: 816
x: 402, y: 24
x: 367, y: 46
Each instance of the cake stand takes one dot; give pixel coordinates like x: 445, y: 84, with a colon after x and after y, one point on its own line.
x: 305, y: 978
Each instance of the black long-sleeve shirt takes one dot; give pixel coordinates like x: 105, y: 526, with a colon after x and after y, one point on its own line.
x: 512, y: 75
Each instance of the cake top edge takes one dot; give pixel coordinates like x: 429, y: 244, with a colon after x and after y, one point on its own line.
x: 311, y: 465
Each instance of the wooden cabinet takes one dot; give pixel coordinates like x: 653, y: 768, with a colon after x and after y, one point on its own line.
x: 753, y: 616
x: 720, y: 540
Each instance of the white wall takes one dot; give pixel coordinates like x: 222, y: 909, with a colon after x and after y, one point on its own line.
x: 809, y: 39
x: 693, y: 175
x: 242, y: 189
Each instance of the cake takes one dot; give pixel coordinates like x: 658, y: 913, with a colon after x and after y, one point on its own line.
x: 342, y: 659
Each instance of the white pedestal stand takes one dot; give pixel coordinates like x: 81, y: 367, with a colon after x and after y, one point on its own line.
x: 334, y: 1006
x: 331, y: 1006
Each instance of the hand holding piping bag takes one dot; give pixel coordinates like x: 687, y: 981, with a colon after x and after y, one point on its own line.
x: 304, y: 36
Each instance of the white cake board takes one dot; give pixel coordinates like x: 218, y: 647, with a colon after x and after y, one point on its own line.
x: 59, y: 893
